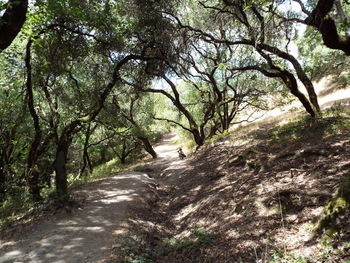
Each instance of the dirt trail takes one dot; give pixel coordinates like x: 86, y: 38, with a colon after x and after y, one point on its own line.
x: 87, y: 234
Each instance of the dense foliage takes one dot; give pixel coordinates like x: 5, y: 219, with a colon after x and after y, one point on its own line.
x: 84, y: 82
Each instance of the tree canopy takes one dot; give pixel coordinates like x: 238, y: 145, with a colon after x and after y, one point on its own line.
x: 83, y: 82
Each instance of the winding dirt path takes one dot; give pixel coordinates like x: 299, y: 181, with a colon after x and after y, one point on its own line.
x: 87, y: 234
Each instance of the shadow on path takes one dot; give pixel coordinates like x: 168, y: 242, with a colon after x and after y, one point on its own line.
x: 86, y: 234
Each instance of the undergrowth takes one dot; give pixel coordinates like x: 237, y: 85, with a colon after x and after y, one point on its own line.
x: 14, y: 209
x: 218, y: 137
x: 305, y: 127
x: 281, y: 256
x: 137, y: 250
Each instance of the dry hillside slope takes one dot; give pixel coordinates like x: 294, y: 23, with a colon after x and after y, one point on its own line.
x: 251, y: 198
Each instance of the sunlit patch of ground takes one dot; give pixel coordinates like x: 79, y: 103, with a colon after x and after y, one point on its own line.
x: 330, y: 90
x: 85, y: 234
x: 331, y: 93
x: 255, y: 196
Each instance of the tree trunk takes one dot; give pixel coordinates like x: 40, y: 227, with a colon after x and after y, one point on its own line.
x: 34, y: 187
x: 69, y: 131
x: 12, y: 21
x: 124, y: 153
x: 148, y: 147
x: 61, y: 159
x: 123, y: 159
x: 60, y: 168
x: 32, y: 173
x: 320, y: 19
x: 299, y: 70
x: 292, y: 85
x: 2, y: 182
x: 198, y: 138
x: 86, y: 158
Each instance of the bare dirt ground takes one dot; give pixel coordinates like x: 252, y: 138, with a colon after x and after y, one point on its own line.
x: 255, y: 197
x: 258, y: 195
x: 87, y: 233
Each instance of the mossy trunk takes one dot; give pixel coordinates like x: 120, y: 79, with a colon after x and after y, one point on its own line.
x: 335, y: 208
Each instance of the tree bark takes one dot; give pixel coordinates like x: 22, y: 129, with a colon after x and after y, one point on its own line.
x: 32, y: 172
x: 288, y: 79
x: 147, y: 146
x: 60, y: 162
x: 198, y: 138
x: 12, y: 21
x: 86, y: 158
x: 2, y: 181
x: 70, y: 129
x: 299, y: 70
x: 320, y: 19
x: 292, y: 85
x: 61, y: 169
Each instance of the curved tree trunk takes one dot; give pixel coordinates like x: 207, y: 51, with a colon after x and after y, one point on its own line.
x: 288, y: 79
x: 198, y: 137
x: 320, y: 19
x: 70, y: 130
x: 148, y: 146
x: 12, y: 21
x: 32, y: 172
x: 175, y: 99
x: 299, y: 70
x: 292, y: 85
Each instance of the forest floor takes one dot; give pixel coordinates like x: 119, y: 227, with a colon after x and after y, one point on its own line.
x: 98, y: 221
x: 254, y: 196
x: 249, y: 198
x: 83, y: 233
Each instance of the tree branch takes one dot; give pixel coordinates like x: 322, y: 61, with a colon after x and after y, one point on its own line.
x: 171, y: 121
x: 12, y: 21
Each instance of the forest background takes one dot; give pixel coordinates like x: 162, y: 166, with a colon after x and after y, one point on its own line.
x: 84, y: 83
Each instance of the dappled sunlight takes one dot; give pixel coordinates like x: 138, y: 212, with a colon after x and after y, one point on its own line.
x: 295, y: 238
x: 223, y: 189
x: 330, y: 93
x: 9, y: 255
x: 86, y: 234
x: 167, y: 149
x: 186, y: 211
x: 168, y: 163
x: 329, y: 88
x: 176, y: 165
x: 263, y: 201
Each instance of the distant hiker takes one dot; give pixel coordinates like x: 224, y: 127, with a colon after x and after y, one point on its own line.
x: 181, y: 154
